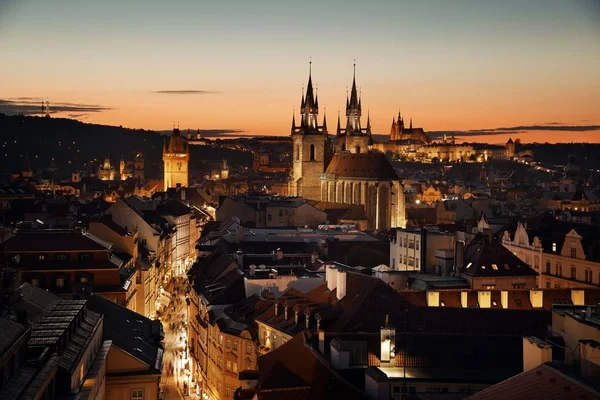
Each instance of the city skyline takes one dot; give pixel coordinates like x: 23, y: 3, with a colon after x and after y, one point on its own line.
x: 532, y: 66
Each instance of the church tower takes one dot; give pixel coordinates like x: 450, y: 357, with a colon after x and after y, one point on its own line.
x: 310, y: 148
x: 354, y: 138
x: 176, y: 158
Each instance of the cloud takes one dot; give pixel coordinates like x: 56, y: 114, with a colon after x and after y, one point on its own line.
x: 549, y: 126
x: 210, y: 133
x: 189, y: 91
x: 78, y: 116
x: 31, y: 106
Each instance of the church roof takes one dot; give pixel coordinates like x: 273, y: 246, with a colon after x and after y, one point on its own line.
x: 372, y: 165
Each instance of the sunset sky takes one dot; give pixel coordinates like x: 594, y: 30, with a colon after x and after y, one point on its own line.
x: 450, y: 65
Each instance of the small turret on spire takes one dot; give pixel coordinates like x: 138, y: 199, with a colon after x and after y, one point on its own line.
x: 325, y: 120
x: 294, y: 120
x: 410, y: 122
x: 339, y: 128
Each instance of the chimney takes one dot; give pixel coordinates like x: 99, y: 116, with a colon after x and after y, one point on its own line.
x: 341, y: 284
x: 488, y: 233
x: 322, y: 341
x: 388, y: 343
x: 239, y: 258
x: 459, y: 255
x: 535, y: 352
x: 239, y: 234
x: 331, y: 277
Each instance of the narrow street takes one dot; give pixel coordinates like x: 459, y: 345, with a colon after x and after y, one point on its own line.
x: 175, y: 378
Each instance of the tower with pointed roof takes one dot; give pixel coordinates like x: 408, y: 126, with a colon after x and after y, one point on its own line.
x: 176, y: 158
x: 310, y: 146
x: 354, y: 138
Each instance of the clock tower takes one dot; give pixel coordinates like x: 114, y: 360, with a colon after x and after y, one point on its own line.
x: 176, y: 158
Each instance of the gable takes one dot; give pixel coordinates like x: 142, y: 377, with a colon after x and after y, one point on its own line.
x: 119, y: 361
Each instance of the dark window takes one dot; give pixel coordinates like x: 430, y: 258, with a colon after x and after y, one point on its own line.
x: 269, y: 217
x: 357, y: 149
x: 573, y: 252
x: 548, y: 270
x: 573, y: 273
x: 85, y: 257
x: 281, y: 213
x: 62, y: 257
x: 312, y: 152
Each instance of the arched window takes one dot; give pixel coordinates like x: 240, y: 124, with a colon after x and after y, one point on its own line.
x: 297, y: 152
x: 312, y: 152
x: 357, y: 149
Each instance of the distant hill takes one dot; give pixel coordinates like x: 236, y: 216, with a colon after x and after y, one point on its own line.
x: 75, y: 145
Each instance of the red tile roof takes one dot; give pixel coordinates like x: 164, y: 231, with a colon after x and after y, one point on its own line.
x: 542, y: 383
x: 296, y: 365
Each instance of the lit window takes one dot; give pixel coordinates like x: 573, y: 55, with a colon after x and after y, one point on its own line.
x: 483, y: 267
x: 137, y: 394
x: 60, y: 282
x: 442, y: 304
x: 469, y: 265
x: 83, y: 279
x: 554, y: 247
x: 494, y: 267
x: 220, y: 339
x: 41, y: 257
x: 235, y: 344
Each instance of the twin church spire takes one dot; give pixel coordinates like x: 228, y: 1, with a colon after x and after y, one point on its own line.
x: 309, y: 112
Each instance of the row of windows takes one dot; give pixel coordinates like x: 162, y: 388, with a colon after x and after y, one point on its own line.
x: 404, y: 259
x: 558, y: 272
x: 62, y: 257
x: 63, y: 280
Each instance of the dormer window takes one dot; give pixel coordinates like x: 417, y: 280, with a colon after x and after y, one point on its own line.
x: 554, y: 247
